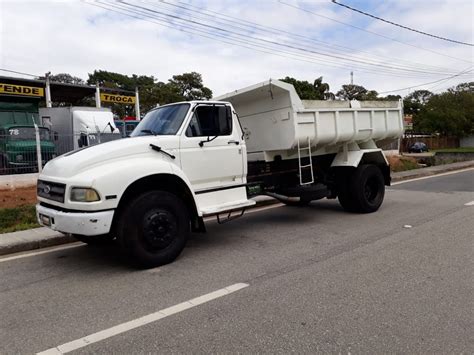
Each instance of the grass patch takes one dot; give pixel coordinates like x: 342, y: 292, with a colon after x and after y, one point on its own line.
x: 401, y: 163
x: 455, y: 150
x: 17, y: 218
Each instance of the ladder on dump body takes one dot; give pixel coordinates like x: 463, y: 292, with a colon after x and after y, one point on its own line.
x: 305, y: 167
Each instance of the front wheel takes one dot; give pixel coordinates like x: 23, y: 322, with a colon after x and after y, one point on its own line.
x: 153, y: 228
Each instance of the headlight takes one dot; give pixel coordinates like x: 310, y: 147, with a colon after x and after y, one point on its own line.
x: 19, y: 157
x: 82, y: 194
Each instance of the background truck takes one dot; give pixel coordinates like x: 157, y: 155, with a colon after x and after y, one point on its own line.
x: 76, y: 127
x: 18, y: 152
x: 189, y: 160
x: 126, y: 127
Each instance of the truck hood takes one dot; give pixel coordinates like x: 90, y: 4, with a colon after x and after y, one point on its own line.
x: 77, y: 161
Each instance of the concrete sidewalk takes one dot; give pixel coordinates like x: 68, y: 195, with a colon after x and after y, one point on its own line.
x: 44, y: 237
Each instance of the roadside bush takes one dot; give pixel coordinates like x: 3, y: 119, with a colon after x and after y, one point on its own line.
x: 400, y: 163
x: 18, y: 218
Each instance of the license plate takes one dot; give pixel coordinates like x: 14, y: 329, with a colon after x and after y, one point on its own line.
x: 45, y: 220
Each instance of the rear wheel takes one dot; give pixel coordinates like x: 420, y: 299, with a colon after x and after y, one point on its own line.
x: 153, y: 228
x: 368, y: 188
x: 362, y: 190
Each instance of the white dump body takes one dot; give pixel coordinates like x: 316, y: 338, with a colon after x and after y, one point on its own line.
x: 274, y: 119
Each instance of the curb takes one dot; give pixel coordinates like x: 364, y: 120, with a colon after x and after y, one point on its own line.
x: 43, y: 237
x: 32, y: 239
x: 432, y: 170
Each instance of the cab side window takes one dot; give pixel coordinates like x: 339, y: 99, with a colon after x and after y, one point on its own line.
x: 210, y: 121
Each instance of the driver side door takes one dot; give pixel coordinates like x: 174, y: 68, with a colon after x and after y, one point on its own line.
x: 211, y: 151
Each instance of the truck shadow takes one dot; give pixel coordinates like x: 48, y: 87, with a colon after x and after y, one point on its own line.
x: 235, y: 234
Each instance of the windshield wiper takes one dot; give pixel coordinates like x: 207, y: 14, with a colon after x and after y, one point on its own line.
x: 158, y: 149
x: 149, y: 131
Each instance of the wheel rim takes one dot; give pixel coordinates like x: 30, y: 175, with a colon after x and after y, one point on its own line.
x: 371, y: 189
x: 160, y: 228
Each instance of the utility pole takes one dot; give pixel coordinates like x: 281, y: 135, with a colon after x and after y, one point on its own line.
x: 97, y: 95
x: 137, y: 104
x: 48, y: 90
x: 352, y: 78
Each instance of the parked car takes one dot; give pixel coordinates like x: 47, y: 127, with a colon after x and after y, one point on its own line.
x: 418, y: 147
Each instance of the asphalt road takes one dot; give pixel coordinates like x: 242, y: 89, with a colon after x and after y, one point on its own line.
x: 319, y: 280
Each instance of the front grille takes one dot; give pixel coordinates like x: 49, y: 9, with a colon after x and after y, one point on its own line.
x: 51, y: 190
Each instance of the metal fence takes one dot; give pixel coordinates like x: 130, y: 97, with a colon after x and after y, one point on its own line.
x: 27, y: 149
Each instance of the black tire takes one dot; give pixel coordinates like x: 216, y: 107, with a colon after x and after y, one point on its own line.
x: 362, y: 191
x: 368, y: 188
x: 105, y: 239
x: 344, y: 194
x: 153, y: 228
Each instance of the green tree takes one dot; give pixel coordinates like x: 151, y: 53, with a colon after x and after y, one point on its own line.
x: 307, y: 91
x: 392, y: 98
x: 414, y: 102
x: 450, y: 113
x: 354, y: 92
x: 189, y: 86
x: 370, y: 95
x: 66, y: 79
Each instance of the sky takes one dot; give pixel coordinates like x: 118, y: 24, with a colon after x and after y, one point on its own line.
x: 234, y: 43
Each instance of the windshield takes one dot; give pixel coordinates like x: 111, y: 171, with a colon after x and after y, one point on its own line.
x: 165, y: 120
x: 27, y: 133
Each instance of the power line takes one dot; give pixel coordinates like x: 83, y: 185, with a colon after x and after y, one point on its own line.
x: 204, y: 31
x: 467, y: 70
x: 402, y: 26
x: 218, y: 16
x: 17, y: 72
x: 270, y: 42
x: 442, y: 83
x: 371, y: 32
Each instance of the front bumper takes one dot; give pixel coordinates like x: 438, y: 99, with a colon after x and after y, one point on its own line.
x: 83, y: 223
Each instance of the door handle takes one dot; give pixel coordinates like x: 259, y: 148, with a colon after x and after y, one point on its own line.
x: 233, y: 142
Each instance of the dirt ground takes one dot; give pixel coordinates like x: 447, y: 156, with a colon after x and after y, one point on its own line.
x: 18, y: 197
x: 402, y: 163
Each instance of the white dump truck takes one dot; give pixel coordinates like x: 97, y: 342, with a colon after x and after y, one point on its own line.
x: 188, y: 160
x: 76, y: 126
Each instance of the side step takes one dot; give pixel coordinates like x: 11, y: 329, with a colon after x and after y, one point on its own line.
x: 208, y: 211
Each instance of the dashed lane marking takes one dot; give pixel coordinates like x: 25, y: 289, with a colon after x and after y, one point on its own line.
x: 139, y: 322
x: 42, y: 251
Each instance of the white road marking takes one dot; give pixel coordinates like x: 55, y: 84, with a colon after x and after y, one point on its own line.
x: 469, y: 203
x: 42, y: 251
x: 407, y: 226
x: 139, y: 322
x: 432, y: 176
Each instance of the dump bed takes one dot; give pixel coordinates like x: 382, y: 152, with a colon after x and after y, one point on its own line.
x: 274, y: 118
